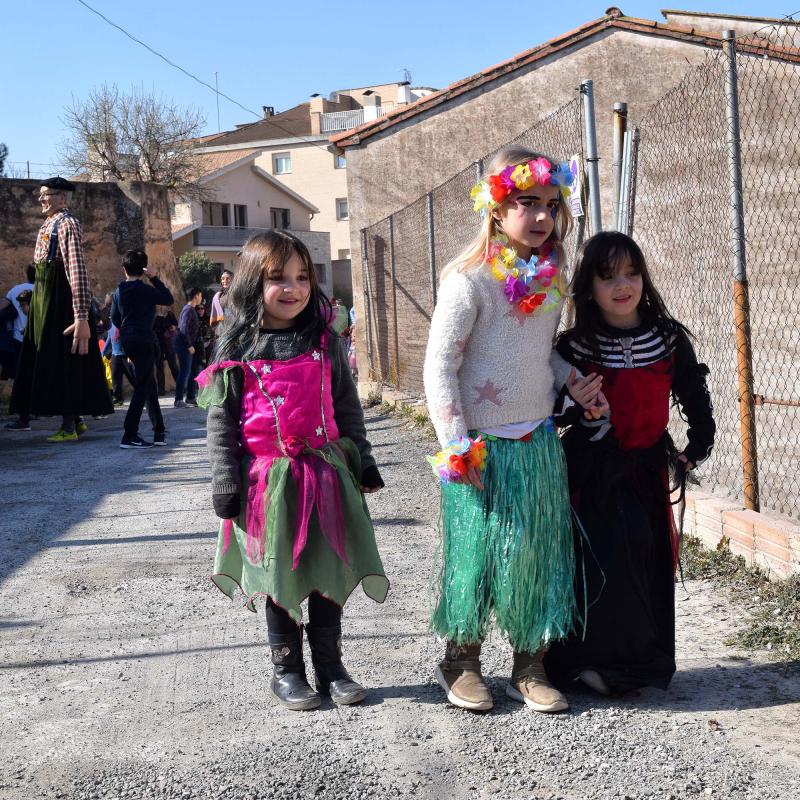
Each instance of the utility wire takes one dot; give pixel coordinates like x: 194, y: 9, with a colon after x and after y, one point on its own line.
x: 164, y: 58
x: 199, y: 80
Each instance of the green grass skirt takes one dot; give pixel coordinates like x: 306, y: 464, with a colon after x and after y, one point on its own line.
x: 508, y: 550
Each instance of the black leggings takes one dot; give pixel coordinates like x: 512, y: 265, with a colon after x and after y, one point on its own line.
x: 322, y: 613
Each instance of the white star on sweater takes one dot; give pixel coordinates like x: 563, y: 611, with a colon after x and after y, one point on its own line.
x: 316, y: 355
x: 318, y: 431
x: 280, y: 400
x: 266, y: 369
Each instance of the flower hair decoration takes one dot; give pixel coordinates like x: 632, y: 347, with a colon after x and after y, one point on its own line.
x: 491, y: 191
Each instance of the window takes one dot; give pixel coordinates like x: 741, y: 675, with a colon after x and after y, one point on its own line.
x: 341, y: 208
x: 280, y: 218
x: 344, y: 254
x: 281, y: 163
x: 339, y: 162
x: 240, y: 216
x: 216, y: 214
x: 320, y: 270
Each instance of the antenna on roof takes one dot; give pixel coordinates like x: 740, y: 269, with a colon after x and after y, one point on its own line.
x: 406, y: 75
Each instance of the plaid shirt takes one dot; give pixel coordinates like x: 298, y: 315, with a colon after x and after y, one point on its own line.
x: 70, y: 244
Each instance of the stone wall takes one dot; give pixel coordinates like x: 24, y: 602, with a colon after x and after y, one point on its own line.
x: 115, y: 217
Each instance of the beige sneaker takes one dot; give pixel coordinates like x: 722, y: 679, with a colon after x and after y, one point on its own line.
x: 459, y: 674
x: 529, y: 684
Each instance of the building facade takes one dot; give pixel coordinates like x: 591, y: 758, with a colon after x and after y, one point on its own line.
x: 293, y: 148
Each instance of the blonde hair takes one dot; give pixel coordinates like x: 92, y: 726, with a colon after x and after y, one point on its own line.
x: 474, y: 255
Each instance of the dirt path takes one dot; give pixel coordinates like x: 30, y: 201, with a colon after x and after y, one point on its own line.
x: 125, y: 673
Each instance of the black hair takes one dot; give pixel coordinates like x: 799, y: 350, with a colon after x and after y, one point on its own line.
x: 601, y: 256
x: 226, y: 272
x: 192, y: 292
x: 263, y: 257
x: 134, y: 262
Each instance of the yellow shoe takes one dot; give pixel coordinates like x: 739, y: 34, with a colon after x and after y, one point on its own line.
x: 81, y: 427
x: 63, y: 436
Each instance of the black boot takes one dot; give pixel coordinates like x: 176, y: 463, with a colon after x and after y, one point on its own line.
x: 331, y: 676
x: 289, y: 685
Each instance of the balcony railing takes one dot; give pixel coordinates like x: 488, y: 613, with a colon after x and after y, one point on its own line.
x: 344, y: 120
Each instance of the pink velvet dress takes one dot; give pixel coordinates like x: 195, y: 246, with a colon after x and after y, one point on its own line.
x: 304, y: 524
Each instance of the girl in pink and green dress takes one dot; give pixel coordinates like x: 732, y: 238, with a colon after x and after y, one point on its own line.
x: 290, y: 465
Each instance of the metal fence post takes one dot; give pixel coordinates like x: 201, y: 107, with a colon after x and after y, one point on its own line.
x: 394, y: 303
x: 620, y: 124
x: 741, y: 294
x: 621, y: 222
x: 478, y: 170
x: 592, y: 159
x: 431, y: 247
x: 632, y: 173
x: 367, y: 297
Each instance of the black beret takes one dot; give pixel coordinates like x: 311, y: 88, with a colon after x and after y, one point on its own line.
x: 59, y: 183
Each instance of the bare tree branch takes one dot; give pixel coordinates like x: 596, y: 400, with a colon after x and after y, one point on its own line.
x: 135, y: 136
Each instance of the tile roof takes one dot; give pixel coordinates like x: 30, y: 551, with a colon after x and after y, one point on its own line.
x: 211, y: 162
x: 614, y: 19
x: 294, y: 122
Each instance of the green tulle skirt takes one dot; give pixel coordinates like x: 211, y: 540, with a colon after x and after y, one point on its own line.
x: 319, y: 569
x: 507, y: 551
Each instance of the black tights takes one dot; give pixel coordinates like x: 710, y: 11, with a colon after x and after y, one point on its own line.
x: 322, y: 613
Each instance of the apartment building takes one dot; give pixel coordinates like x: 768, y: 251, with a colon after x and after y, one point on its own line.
x: 245, y: 199
x: 292, y: 147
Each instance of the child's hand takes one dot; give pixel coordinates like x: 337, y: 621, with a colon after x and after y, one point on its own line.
x: 599, y: 408
x: 584, y: 391
x: 687, y: 465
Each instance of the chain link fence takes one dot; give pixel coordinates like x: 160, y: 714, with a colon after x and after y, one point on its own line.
x: 708, y: 244
x: 405, y: 253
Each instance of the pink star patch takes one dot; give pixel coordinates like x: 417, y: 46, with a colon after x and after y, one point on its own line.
x: 449, y: 412
x: 488, y: 392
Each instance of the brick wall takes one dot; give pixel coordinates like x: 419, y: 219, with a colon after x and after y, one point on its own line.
x: 762, y: 539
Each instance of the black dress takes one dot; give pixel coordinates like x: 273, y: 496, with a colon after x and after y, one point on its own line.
x: 619, y: 484
x: 51, y: 379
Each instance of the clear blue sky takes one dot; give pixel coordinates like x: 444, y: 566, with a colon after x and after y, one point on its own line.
x: 56, y: 49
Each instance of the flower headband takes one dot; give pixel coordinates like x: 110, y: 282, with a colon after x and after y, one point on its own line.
x: 491, y: 191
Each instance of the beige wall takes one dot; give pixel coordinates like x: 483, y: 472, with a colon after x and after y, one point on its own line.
x: 313, y: 177
x: 242, y: 186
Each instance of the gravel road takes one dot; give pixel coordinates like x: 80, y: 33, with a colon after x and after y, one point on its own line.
x: 126, y: 674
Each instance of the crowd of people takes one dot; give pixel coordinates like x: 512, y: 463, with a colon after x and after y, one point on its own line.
x: 75, y: 354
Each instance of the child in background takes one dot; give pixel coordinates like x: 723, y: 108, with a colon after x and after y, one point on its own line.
x: 491, y: 381
x: 290, y: 463
x: 619, y: 468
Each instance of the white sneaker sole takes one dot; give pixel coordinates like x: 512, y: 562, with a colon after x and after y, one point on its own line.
x: 594, y: 680
x: 558, y: 705
x: 458, y: 701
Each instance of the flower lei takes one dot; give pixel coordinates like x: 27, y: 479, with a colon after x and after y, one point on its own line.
x: 528, y: 285
x: 491, y: 191
x: 453, y: 462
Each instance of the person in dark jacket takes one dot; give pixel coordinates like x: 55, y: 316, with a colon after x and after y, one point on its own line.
x: 133, y: 311
x: 165, y: 326
x: 185, y: 342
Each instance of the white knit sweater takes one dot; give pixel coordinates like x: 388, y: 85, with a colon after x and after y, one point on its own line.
x: 488, y: 364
